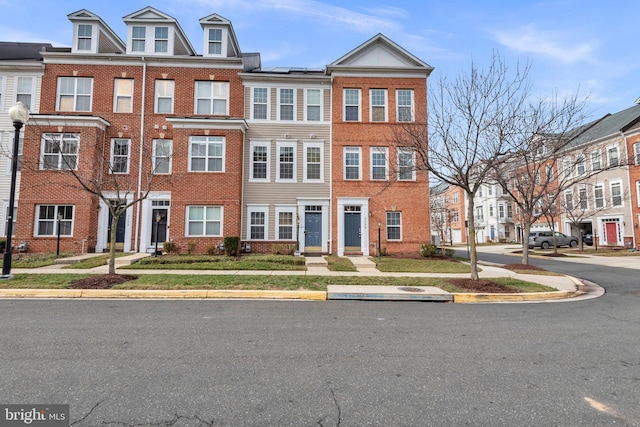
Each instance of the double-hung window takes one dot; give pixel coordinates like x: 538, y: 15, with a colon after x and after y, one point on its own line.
x: 60, y: 151
x: 598, y: 196
x: 286, y: 161
x: 204, y: 220
x: 215, y: 41
x: 206, y: 153
x: 13, y: 220
x: 84, y: 37
x: 164, y: 96
x: 379, y: 163
x: 313, y: 170
x: 352, y: 163
x: 138, y: 39
x: 286, y: 219
x: 24, y: 91
x: 566, y: 168
x: 582, y: 198
x: 596, y: 160
x: 613, y: 156
x: 123, y: 95
x: 212, y: 98
x: 260, y: 103
x: 636, y: 153
x: 404, y: 105
x: 162, y: 156
x: 568, y: 200
x: 313, y: 105
x: 161, y: 44
x: 378, y: 101
x: 581, y: 166
x: 351, y: 105
x: 52, y: 217
x: 285, y: 104
x: 259, y: 161
x: 616, y: 193
x: 394, y: 223
x: 257, y: 222
x: 74, y: 93
x: 120, y: 151
x: 19, y: 157
x: 406, y: 165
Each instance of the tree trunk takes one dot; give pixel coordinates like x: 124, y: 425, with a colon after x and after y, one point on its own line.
x: 112, y: 244
x: 525, y: 243
x: 473, y: 256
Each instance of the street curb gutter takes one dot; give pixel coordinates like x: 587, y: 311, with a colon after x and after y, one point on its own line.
x: 529, y: 296
x: 173, y: 294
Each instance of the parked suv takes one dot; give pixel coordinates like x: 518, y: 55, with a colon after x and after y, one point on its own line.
x: 544, y: 239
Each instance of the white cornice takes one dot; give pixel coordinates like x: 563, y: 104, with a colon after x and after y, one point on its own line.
x: 208, y: 123
x: 128, y: 60
x: 66, y: 121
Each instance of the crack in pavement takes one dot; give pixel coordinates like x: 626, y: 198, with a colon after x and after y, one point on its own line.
x: 88, y: 413
x: 176, y: 418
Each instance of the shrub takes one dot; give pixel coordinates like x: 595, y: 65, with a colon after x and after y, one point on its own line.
x: 448, y: 252
x: 212, y: 250
x: 283, y: 249
x: 3, y: 246
x: 231, y: 245
x: 383, y: 251
x: 428, y: 250
x: 191, y: 246
x: 170, y: 247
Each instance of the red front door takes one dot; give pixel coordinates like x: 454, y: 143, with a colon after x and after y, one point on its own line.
x: 612, y: 233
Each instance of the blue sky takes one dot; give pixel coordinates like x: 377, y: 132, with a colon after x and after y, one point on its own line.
x: 584, y: 45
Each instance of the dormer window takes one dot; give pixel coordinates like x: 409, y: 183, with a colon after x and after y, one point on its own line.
x: 215, y: 41
x: 138, y: 36
x: 84, y: 37
x: 162, y: 40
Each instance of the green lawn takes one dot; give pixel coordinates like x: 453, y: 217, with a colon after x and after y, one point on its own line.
x: 220, y: 262
x: 336, y: 263
x: 424, y: 265
x: 258, y: 282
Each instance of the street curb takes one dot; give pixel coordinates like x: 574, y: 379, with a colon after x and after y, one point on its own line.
x: 152, y: 294
x: 468, y: 298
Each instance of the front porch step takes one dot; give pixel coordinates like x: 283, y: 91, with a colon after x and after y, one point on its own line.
x: 315, y: 261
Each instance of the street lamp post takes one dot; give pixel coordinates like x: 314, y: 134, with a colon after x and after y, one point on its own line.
x: 58, y: 244
x: 19, y: 115
x: 158, y: 219
x: 379, y: 225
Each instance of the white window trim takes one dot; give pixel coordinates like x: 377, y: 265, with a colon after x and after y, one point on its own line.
x: 258, y: 208
x: 294, y: 112
x: 75, y: 94
x: 344, y: 105
x: 213, y: 97
x: 306, y: 105
x: 294, y: 145
x: 252, y: 145
x: 169, y: 40
x: 638, y: 193
x: 581, y: 160
x: 413, y: 160
x: 204, y: 227
x: 5, y: 213
x: 617, y: 155
x: 387, y: 227
x: 60, y: 163
x: 314, y: 144
x: 583, y: 189
x: 567, y: 172
x: 32, y: 91
x: 385, y: 152
x: 55, y: 221
x: 283, y: 209
x: 3, y: 92
x: 153, y: 157
x: 351, y: 149
x: 157, y: 97
x: 386, y: 106
x: 9, y: 151
x: 595, y: 197
x: 611, y: 184
x: 112, y: 159
x: 573, y: 204
x: 412, y: 106
x: 597, y: 153
x: 268, y: 102
x: 209, y: 139
x: 636, y: 153
x: 115, y: 95
x: 76, y: 38
x: 223, y: 43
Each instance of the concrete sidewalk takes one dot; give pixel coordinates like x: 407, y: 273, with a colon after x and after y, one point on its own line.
x: 566, y: 286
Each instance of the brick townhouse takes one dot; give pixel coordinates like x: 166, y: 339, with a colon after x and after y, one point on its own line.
x: 223, y: 146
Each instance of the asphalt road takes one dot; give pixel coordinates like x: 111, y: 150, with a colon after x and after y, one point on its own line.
x: 329, y: 363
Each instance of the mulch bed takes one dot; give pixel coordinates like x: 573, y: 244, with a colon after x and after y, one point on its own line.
x: 102, y: 281
x: 482, y: 286
x: 515, y: 267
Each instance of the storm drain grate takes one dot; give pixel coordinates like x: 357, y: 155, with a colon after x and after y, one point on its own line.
x: 410, y: 289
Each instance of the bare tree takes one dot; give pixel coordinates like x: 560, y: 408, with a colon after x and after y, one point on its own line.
x: 105, y: 173
x: 472, y: 123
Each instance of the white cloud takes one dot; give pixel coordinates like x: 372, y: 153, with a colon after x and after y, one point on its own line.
x: 531, y: 39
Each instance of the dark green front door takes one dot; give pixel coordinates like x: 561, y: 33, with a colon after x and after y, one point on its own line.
x: 120, y: 229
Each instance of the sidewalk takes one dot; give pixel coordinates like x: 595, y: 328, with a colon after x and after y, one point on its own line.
x: 566, y: 286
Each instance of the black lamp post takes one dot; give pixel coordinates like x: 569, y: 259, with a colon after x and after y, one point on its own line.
x: 19, y: 116
x: 58, y: 244
x: 379, y: 225
x: 297, y: 235
x: 158, y: 219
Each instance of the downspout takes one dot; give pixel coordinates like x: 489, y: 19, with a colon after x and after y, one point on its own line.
x: 629, y: 186
x: 141, y: 144
x: 331, y: 205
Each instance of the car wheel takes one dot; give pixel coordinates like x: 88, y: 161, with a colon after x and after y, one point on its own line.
x: 544, y: 245
x: 573, y: 243
x: 530, y: 247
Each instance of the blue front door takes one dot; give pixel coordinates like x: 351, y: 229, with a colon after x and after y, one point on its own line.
x: 312, y: 231
x: 352, y: 231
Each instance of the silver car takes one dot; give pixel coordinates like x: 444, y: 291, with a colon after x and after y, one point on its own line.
x: 544, y: 239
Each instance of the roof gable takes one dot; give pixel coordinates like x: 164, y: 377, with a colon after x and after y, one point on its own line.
x: 231, y: 47
x: 107, y: 40
x: 149, y: 14
x: 380, y: 52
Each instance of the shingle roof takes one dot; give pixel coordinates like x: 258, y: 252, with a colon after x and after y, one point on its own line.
x: 607, y: 126
x: 21, y: 51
